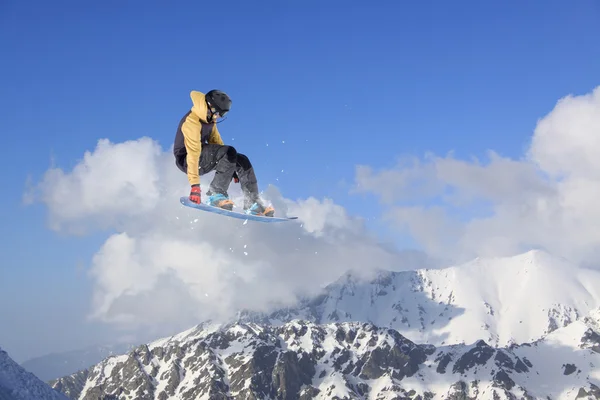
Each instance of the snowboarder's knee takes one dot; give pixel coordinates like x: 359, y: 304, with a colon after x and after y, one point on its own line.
x: 229, y: 153
x: 243, y: 161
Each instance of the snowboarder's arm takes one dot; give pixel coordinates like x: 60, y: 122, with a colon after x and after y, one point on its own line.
x: 191, y: 135
x: 215, y: 136
x: 191, y: 138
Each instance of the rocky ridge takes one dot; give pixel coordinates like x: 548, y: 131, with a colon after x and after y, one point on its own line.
x: 303, y: 360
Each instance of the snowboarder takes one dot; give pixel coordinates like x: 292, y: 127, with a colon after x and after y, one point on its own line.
x: 199, y: 149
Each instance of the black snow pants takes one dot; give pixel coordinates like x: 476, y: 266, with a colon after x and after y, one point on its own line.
x: 225, y: 160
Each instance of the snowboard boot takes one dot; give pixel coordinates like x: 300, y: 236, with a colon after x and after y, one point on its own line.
x: 259, y: 209
x: 221, y: 201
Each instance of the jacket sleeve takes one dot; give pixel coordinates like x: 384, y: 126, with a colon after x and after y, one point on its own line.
x: 215, y: 136
x: 191, y: 138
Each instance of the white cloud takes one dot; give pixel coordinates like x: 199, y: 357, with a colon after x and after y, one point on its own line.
x: 566, y: 141
x: 549, y: 199
x: 165, y: 265
x: 114, y: 182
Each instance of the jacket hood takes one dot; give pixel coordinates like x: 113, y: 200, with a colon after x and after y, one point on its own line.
x: 199, y: 108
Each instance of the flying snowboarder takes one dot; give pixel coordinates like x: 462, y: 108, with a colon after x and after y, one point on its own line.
x: 199, y: 149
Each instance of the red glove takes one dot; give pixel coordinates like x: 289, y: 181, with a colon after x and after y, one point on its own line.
x: 195, y: 194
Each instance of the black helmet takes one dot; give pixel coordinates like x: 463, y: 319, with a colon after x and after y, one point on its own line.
x: 219, y: 100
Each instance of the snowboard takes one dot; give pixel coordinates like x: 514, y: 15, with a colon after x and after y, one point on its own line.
x: 233, y: 214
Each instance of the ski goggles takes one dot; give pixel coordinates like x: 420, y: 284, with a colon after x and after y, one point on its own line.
x: 216, y: 112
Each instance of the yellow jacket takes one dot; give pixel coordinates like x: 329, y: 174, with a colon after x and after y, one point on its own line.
x: 193, y: 130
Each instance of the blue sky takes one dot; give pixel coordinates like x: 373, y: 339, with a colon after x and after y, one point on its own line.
x: 317, y: 88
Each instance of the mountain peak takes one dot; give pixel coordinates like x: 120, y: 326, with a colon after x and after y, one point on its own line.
x: 502, y: 300
x: 536, y: 258
x: 18, y: 384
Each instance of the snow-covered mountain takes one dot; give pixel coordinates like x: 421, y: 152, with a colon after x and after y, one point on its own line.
x: 522, y: 327
x: 18, y: 384
x: 302, y: 360
x: 55, y: 365
x: 501, y: 300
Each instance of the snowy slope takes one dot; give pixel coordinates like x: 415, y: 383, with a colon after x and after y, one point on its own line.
x: 302, y: 360
x: 18, y: 384
x: 502, y: 301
